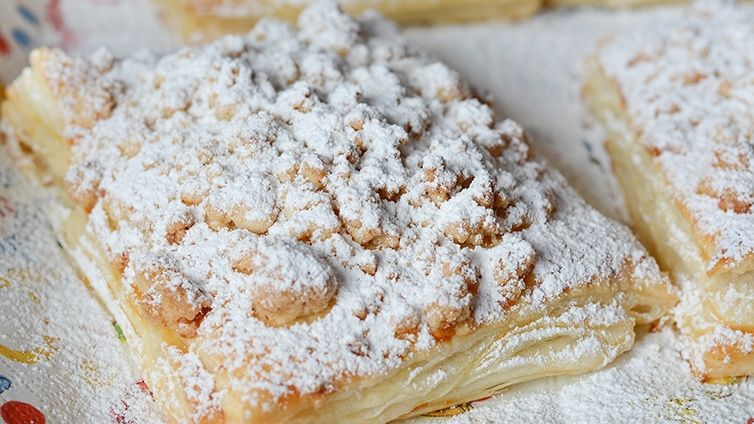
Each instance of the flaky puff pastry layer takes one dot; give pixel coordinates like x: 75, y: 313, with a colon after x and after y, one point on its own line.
x: 323, y: 225
x: 673, y: 101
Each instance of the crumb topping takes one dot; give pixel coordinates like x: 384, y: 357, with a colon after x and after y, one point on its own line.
x: 305, y: 207
x: 689, y: 92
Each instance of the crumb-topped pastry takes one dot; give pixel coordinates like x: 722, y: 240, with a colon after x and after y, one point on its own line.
x: 203, y: 20
x: 677, y: 104
x: 324, y: 225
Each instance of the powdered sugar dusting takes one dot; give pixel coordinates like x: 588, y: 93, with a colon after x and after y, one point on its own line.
x: 689, y: 92
x: 60, y: 351
x: 351, y: 151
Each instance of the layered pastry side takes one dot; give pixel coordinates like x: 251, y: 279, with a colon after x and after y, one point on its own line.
x: 677, y: 104
x: 322, y: 225
x: 203, y: 20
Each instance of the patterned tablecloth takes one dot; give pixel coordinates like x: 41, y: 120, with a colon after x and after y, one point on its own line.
x: 63, y: 358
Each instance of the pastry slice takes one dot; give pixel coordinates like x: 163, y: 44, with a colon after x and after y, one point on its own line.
x: 323, y: 225
x: 202, y: 20
x: 677, y: 103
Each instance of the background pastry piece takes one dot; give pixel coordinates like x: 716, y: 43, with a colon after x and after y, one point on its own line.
x: 202, y: 20
x: 611, y: 3
x: 677, y: 102
x: 324, y: 225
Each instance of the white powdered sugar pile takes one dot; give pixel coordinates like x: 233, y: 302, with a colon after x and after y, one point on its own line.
x: 339, y: 146
x: 689, y: 92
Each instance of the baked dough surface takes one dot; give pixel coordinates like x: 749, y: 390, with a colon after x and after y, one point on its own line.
x: 322, y: 225
x: 676, y: 104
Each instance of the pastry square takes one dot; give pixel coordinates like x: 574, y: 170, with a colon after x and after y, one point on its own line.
x: 676, y: 102
x: 204, y: 20
x: 323, y: 225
